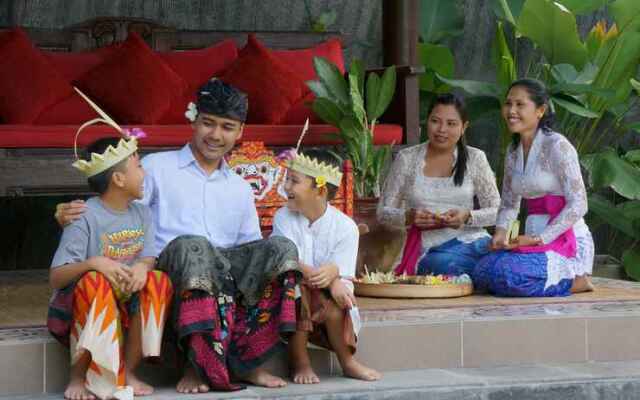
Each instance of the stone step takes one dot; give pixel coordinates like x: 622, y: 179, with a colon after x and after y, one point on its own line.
x: 592, y: 381
x: 472, y: 332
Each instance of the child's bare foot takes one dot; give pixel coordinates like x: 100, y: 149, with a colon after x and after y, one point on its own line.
x: 353, y: 369
x: 261, y: 377
x: 191, y: 382
x: 304, y: 374
x: 139, y: 388
x: 76, y: 390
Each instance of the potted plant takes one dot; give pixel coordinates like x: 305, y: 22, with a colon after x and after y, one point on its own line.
x: 353, y: 104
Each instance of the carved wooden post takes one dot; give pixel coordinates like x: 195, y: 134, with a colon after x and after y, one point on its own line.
x: 400, y: 43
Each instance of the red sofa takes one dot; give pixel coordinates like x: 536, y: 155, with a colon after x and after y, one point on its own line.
x: 148, y: 87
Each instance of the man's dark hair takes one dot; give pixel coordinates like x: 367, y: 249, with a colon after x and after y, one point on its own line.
x: 100, y: 183
x: 326, y: 157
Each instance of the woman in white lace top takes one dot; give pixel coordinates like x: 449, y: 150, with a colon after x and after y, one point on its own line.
x: 431, y: 189
x: 541, y: 167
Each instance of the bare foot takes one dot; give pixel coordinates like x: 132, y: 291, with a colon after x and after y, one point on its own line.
x: 191, y: 382
x: 353, y: 369
x: 304, y: 374
x: 261, y: 377
x: 139, y: 388
x: 77, y: 391
x: 582, y: 284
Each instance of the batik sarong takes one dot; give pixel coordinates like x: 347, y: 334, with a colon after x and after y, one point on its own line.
x: 312, y: 306
x: 87, y: 316
x: 232, y: 305
x: 538, y: 271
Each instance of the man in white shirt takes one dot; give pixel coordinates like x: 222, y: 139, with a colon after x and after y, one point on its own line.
x: 232, y: 288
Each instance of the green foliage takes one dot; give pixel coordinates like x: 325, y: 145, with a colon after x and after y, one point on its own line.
x: 354, y: 105
x: 440, y: 19
x: 620, y: 175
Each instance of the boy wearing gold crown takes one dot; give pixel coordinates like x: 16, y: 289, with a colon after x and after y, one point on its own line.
x: 327, y: 242
x: 104, y: 279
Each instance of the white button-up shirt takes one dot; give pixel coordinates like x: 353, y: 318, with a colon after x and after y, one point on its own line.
x: 332, y: 238
x: 184, y: 200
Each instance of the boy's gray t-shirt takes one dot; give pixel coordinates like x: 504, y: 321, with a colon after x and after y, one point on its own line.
x: 123, y: 236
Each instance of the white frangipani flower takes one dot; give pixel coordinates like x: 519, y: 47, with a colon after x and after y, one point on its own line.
x: 192, y: 112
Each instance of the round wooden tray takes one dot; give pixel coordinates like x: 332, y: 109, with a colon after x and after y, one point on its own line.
x: 409, y: 291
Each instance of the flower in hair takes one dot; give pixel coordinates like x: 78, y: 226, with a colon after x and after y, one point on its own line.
x: 192, y: 112
x: 321, y: 181
x: 134, y: 133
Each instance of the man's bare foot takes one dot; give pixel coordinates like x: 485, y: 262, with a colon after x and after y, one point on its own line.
x: 139, y: 388
x: 353, y: 369
x: 261, y: 377
x: 76, y: 391
x: 304, y: 374
x: 582, y: 284
x: 191, y: 382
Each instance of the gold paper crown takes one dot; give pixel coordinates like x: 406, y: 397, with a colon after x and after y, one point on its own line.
x: 112, y: 155
x: 306, y: 165
x: 314, y: 168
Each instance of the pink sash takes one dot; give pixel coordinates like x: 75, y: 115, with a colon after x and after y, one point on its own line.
x: 411, y: 252
x: 565, y: 244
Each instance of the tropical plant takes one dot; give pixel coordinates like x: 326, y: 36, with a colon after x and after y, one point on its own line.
x: 440, y: 20
x: 616, y: 178
x: 353, y: 104
x: 590, y: 81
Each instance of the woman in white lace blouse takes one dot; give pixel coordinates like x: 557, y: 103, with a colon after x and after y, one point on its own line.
x: 541, y: 166
x: 431, y: 189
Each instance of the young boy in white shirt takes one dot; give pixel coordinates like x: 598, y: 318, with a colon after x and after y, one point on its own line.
x: 327, y: 242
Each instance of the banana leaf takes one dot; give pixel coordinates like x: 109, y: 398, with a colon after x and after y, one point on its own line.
x: 631, y: 262
x: 607, y: 169
x: 553, y: 28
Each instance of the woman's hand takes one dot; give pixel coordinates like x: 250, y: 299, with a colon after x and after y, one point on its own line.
x: 524, y: 241
x: 324, y: 276
x: 456, y: 218
x: 66, y: 213
x: 426, y: 220
x: 342, y: 295
x: 499, y: 240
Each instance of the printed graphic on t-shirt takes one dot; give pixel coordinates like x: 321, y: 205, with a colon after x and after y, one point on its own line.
x: 123, y: 246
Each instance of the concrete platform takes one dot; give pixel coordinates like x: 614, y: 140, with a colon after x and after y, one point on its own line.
x: 402, y: 337
x: 593, y: 381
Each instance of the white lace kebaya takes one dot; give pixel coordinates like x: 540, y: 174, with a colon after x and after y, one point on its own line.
x: 552, y: 167
x: 407, y: 187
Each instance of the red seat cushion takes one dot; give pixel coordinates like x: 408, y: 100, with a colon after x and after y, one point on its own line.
x: 134, y: 84
x: 271, y: 85
x: 28, y: 81
x: 198, y: 66
x: 61, y: 136
x: 73, y: 65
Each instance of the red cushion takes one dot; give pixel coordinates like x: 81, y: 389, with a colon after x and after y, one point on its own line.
x: 134, y: 85
x: 72, y: 65
x: 271, y: 85
x: 28, y: 82
x: 61, y: 136
x: 301, y: 60
x: 72, y: 110
x: 198, y: 66
x: 299, y: 112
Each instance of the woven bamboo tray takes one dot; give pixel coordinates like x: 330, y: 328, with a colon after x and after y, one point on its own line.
x: 415, y: 291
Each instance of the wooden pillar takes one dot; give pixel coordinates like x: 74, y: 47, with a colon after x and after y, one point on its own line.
x: 400, y: 22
